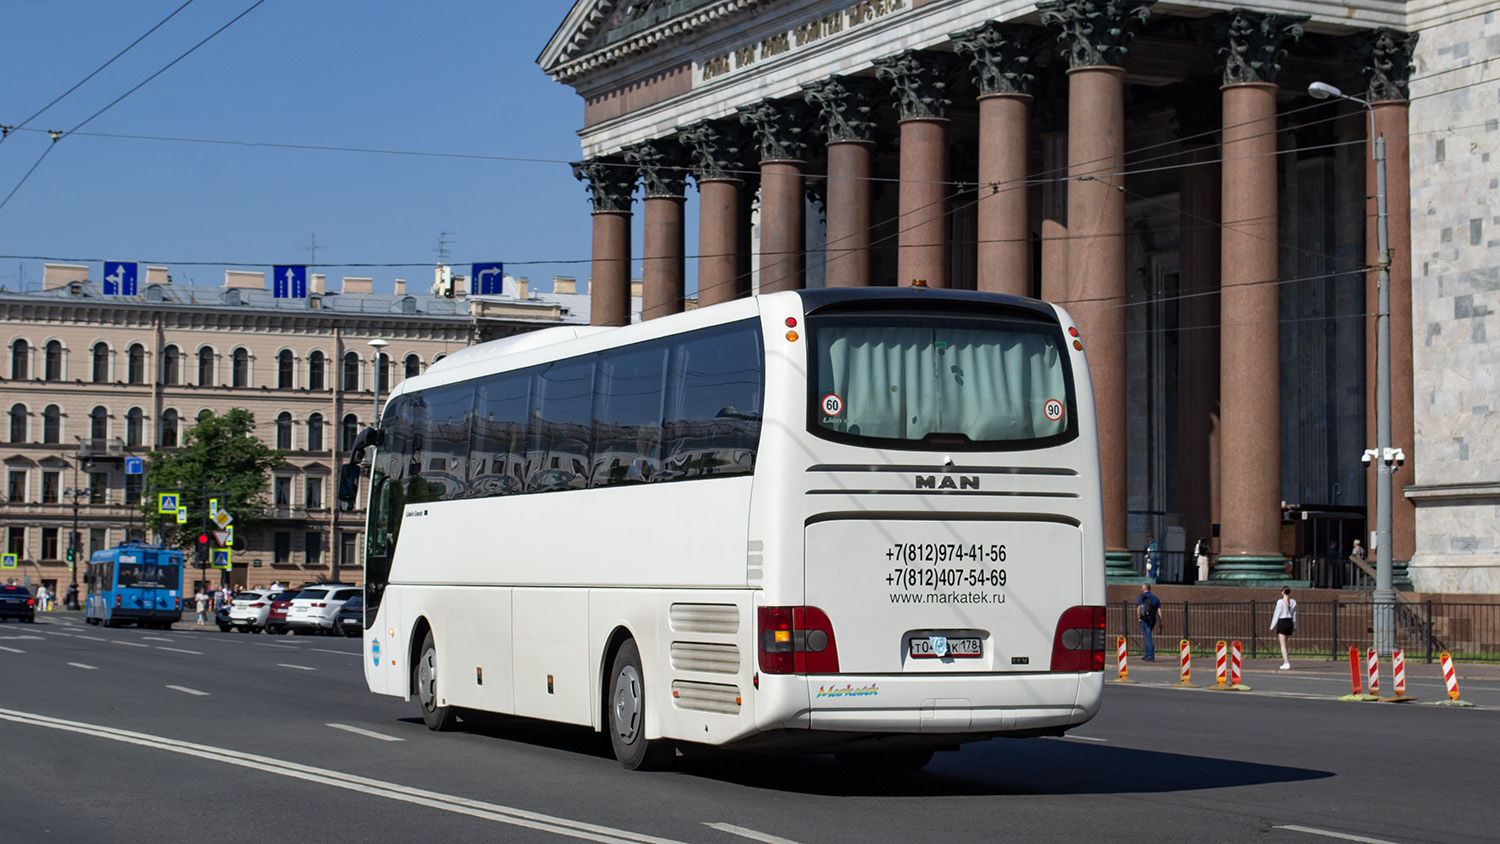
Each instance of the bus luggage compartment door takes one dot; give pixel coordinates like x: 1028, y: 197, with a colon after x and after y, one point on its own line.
x: 924, y: 595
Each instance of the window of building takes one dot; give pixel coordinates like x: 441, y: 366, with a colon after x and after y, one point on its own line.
x: 171, y: 366
x: 18, y: 423
x: 281, y: 553
x: 135, y: 365
x: 312, y: 548
x: 49, y: 543
x: 50, y: 486
x: 52, y: 425
x: 285, y: 369
x: 284, y: 431
x: 282, y: 491
x: 205, y: 367
x: 98, y: 423
x: 101, y: 363
x: 15, y: 488
x: 135, y: 426
x: 99, y: 487
x: 312, y: 492
x: 351, y: 372
x: 98, y: 539
x: 20, y: 360
x: 52, y: 362
x: 15, y: 541
x: 315, y: 432
x: 168, y: 429
x: 384, y: 370
x: 351, y: 430
x: 413, y: 366
x: 346, y: 548
x: 315, y: 368
x: 133, y: 489
x: 240, y: 372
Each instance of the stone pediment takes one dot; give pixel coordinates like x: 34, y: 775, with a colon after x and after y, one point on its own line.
x: 599, y: 33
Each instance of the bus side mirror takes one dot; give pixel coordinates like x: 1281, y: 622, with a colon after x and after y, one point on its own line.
x: 348, y: 486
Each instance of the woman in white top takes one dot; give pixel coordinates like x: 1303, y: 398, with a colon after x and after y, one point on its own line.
x: 1284, y: 622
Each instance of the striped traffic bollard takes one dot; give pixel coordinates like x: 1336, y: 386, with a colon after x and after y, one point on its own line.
x: 1450, y: 677
x: 1235, y: 675
x: 1221, y: 668
x: 1124, y: 668
x: 1374, y: 666
x: 1398, y: 678
x: 1186, y: 663
x: 1355, y: 678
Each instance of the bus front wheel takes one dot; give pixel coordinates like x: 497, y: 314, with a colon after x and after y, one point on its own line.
x: 424, y: 678
x: 627, y: 715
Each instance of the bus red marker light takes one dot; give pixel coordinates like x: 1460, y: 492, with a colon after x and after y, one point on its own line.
x: 791, y: 322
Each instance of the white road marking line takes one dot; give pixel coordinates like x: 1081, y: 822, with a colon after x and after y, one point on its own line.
x: 179, y: 651
x: 298, y: 667
x: 340, y: 653
x: 131, y: 644
x: 57, y: 633
x: 11, y: 650
x: 1086, y: 738
x: 187, y: 691
x: 279, y: 647
x: 91, y: 638
x: 81, y: 665
x: 156, y: 639
x: 357, y: 731
x: 1326, y: 833
x: 749, y: 833
x: 378, y: 788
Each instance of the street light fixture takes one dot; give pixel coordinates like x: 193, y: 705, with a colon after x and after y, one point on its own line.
x: 1385, y: 458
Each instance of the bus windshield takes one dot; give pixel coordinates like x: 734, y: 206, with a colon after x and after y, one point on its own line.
x: 936, y: 382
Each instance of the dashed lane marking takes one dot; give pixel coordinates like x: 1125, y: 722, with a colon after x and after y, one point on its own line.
x: 11, y: 650
x: 180, y: 651
x: 85, y: 667
x: 357, y: 731
x: 91, y: 638
x: 340, y: 653
x: 187, y: 691
x: 1328, y: 833
x: 298, y: 667
x: 130, y: 644
x: 746, y: 832
x: 156, y: 639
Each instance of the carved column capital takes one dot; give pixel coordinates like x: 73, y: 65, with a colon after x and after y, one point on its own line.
x: 662, y: 164
x: 1094, y: 32
x: 781, y: 128
x: 920, y: 81
x: 609, y: 181
x: 1253, y: 44
x: 720, y: 149
x: 847, y: 104
x: 1388, y: 63
x: 1000, y: 56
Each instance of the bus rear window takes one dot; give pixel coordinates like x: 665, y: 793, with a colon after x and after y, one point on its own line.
x: 940, y: 382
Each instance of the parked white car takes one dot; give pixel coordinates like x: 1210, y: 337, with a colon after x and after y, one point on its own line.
x: 316, y: 607
x: 249, y: 609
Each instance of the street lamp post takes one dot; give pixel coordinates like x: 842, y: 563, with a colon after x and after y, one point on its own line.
x: 379, y: 346
x: 73, y: 545
x: 1386, y: 459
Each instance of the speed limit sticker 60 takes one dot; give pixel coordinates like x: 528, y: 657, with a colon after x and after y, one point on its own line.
x: 832, y: 404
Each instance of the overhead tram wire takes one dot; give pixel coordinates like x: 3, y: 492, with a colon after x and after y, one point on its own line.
x: 57, y: 136
x: 100, y: 68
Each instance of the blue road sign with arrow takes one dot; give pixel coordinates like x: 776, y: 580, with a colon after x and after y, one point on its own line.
x: 488, y: 279
x: 135, y: 466
x: 120, y: 278
x: 289, y: 281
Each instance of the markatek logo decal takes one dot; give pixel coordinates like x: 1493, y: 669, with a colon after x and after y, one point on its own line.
x: 947, y: 482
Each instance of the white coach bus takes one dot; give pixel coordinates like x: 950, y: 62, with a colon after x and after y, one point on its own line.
x: 865, y: 522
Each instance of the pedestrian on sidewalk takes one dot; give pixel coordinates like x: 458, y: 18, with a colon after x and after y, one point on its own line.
x: 202, y: 602
x: 1284, y: 622
x: 1148, y: 609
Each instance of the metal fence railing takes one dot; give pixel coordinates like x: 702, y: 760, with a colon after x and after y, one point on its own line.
x: 1326, y: 629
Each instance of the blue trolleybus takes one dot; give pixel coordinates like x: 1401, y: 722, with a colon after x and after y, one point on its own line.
x: 135, y: 583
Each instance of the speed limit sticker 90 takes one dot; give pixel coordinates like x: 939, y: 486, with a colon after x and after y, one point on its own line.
x: 1054, y: 409
x: 833, y: 405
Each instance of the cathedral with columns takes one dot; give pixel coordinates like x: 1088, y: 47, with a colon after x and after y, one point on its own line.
x: 1159, y: 170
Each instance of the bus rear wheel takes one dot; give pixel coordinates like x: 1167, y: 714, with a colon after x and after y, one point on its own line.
x: 626, y: 715
x: 424, y: 679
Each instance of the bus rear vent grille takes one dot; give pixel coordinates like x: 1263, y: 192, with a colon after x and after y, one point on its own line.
x: 707, y: 658
x: 705, y: 618
x: 706, y: 697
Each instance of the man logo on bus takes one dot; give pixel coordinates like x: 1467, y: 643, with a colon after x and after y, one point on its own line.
x: 963, y: 482
x: 1053, y: 409
x: 832, y: 404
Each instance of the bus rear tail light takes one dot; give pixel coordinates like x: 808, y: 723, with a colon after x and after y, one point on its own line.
x: 1078, y: 644
x: 797, y: 640
x: 117, y: 601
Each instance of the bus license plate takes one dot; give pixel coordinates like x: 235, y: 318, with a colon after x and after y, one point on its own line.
x: 942, y: 647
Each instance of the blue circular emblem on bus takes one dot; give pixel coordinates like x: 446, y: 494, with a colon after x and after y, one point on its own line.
x: 375, y: 652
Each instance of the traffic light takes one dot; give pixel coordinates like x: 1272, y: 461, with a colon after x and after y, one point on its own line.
x: 202, y: 547
x: 70, y: 556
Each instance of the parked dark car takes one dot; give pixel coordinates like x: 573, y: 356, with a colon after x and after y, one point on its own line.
x: 276, y: 621
x: 221, y: 618
x: 16, y: 602
x: 351, y: 618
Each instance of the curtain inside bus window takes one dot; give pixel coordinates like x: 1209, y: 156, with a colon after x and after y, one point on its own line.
x: 941, y: 382
x: 715, y: 390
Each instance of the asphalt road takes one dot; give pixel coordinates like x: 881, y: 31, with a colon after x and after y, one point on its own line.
x: 132, y: 735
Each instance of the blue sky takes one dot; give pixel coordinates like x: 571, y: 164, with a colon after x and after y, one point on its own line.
x: 455, y: 78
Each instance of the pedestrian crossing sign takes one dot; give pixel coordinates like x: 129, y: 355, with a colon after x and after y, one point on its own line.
x: 166, y: 502
x: 7, y: 561
x: 220, y: 559
x: 181, y: 515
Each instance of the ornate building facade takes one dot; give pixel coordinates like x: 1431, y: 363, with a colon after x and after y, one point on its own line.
x: 90, y: 380
x: 1160, y: 170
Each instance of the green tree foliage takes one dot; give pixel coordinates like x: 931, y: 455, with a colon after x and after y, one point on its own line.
x: 222, y: 454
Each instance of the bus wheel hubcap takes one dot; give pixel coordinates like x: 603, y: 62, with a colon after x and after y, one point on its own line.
x: 628, y: 703
x: 427, y: 679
